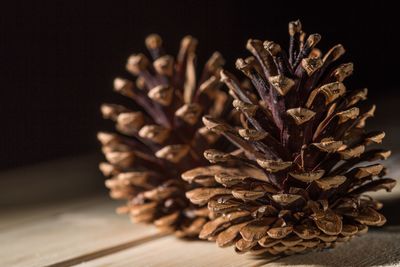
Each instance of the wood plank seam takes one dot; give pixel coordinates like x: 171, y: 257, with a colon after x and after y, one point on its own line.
x: 106, y: 251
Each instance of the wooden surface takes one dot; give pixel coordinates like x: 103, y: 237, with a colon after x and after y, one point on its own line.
x: 377, y: 248
x: 85, y: 231
x: 88, y: 233
x: 66, y: 232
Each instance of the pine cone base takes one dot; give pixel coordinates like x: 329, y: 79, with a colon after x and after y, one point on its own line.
x: 240, y: 217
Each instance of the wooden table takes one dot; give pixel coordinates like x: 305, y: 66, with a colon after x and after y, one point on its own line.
x: 83, y: 230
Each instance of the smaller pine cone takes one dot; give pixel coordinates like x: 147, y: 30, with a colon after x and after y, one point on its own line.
x: 298, y: 179
x: 164, y: 138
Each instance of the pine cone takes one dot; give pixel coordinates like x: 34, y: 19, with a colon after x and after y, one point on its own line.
x: 165, y: 138
x: 298, y: 179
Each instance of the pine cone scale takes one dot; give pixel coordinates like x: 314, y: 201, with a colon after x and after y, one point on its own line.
x: 302, y: 134
x: 163, y: 139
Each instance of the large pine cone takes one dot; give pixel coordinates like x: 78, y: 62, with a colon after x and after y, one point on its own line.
x: 298, y: 179
x: 165, y: 138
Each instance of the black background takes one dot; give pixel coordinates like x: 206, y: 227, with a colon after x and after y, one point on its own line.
x: 58, y: 59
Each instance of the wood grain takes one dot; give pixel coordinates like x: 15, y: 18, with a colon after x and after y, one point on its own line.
x: 68, y: 232
x: 172, y: 252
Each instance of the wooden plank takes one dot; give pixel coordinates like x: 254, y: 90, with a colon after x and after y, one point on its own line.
x: 60, y: 235
x: 17, y: 215
x: 377, y: 248
x: 173, y: 252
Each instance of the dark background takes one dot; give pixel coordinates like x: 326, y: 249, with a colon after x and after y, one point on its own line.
x: 58, y: 59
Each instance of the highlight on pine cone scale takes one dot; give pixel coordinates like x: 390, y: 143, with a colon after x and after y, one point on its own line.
x: 297, y: 181
x: 164, y: 138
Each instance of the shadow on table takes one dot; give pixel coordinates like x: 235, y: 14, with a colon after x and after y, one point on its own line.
x: 378, y: 247
x: 381, y: 246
